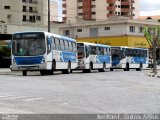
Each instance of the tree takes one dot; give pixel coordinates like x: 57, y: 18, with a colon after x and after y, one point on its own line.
x: 152, y: 34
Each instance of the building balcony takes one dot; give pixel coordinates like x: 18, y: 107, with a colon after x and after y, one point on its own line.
x: 111, y: 8
x: 111, y: 1
x: 30, y: 11
x: 110, y: 14
x: 126, y: 3
x: 30, y: 1
x: 33, y: 2
x: 126, y: 9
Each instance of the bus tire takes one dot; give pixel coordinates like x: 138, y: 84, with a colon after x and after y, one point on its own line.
x: 68, y: 70
x: 127, y: 67
x: 24, y: 73
x: 43, y: 72
x: 140, y: 67
x: 111, y: 69
x: 90, y: 68
x: 103, y: 69
x: 51, y: 72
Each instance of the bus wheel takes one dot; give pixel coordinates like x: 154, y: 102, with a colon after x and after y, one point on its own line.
x: 51, y: 72
x: 68, y: 71
x: 127, y: 67
x: 103, y: 69
x: 90, y: 68
x: 42, y: 72
x: 24, y: 72
x: 140, y: 67
x: 111, y: 69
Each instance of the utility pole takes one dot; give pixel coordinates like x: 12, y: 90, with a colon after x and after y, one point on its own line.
x: 49, y: 26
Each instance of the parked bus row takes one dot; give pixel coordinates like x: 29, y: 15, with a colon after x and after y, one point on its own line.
x: 47, y: 52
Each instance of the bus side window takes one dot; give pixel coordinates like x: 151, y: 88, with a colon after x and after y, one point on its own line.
x: 57, y: 44
x: 101, y: 51
x: 109, y: 51
x: 66, y: 45
x: 87, y: 51
x: 49, y: 43
x: 70, y: 46
x: 74, y: 47
x: 53, y: 46
x: 62, y: 44
x: 93, y: 50
x: 105, y: 51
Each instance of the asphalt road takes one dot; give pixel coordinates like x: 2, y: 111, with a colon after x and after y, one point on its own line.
x: 78, y: 93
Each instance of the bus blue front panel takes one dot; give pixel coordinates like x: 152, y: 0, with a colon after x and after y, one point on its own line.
x: 115, y: 61
x: 68, y: 56
x: 28, y: 63
x: 28, y: 60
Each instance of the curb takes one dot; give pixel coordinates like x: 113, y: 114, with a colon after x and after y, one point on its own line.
x: 152, y: 75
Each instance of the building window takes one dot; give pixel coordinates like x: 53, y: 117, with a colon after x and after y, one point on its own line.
x: 140, y: 29
x: 79, y: 30
x: 93, y: 6
x: 80, y: 7
x: 24, y: 9
x: 32, y: 19
x: 107, y: 28
x: 93, y: 32
x: 80, y: 14
x: 66, y: 33
x: 93, y: 13
x: 6, y: 7
x: 79, y: 0
x: 30, y: 9
x: 24, y: 18
x: 38, y: 18
x: 132, y: 28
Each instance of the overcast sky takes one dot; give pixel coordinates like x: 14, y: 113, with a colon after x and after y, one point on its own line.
x: 150, y: 7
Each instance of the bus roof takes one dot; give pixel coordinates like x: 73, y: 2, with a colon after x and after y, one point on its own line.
x: 129, y: 47
x: 94, y: 44
x: 51, y: 34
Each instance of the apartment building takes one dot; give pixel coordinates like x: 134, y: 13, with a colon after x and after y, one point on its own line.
x: 99, y: 10
x: 54, y: 10
x: 23, y: 11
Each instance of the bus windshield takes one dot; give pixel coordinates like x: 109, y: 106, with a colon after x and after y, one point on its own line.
x: 81, y: 53
x: 28, y: 44
x: 116, y: 53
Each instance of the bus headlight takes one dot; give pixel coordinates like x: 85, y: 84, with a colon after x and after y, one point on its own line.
x: 43, y: 60
x: 14, y: 62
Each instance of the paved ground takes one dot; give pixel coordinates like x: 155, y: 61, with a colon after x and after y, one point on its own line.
x: 108, y: 92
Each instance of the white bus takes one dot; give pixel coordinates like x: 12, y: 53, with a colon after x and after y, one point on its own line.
x: 129, y: 58
x: 44, y: 52
x: 93, y: 56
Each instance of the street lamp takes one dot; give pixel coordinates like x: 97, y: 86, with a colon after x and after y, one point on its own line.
x: 48, y: 15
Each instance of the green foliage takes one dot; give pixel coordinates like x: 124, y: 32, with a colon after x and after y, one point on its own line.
x: 152, y: 34
x: 5, y: 51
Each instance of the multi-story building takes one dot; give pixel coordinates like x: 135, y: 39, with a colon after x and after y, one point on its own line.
x: 98, y: 10
x: 23, y: 11
x: 116, y: 31
x: 54, y: 10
